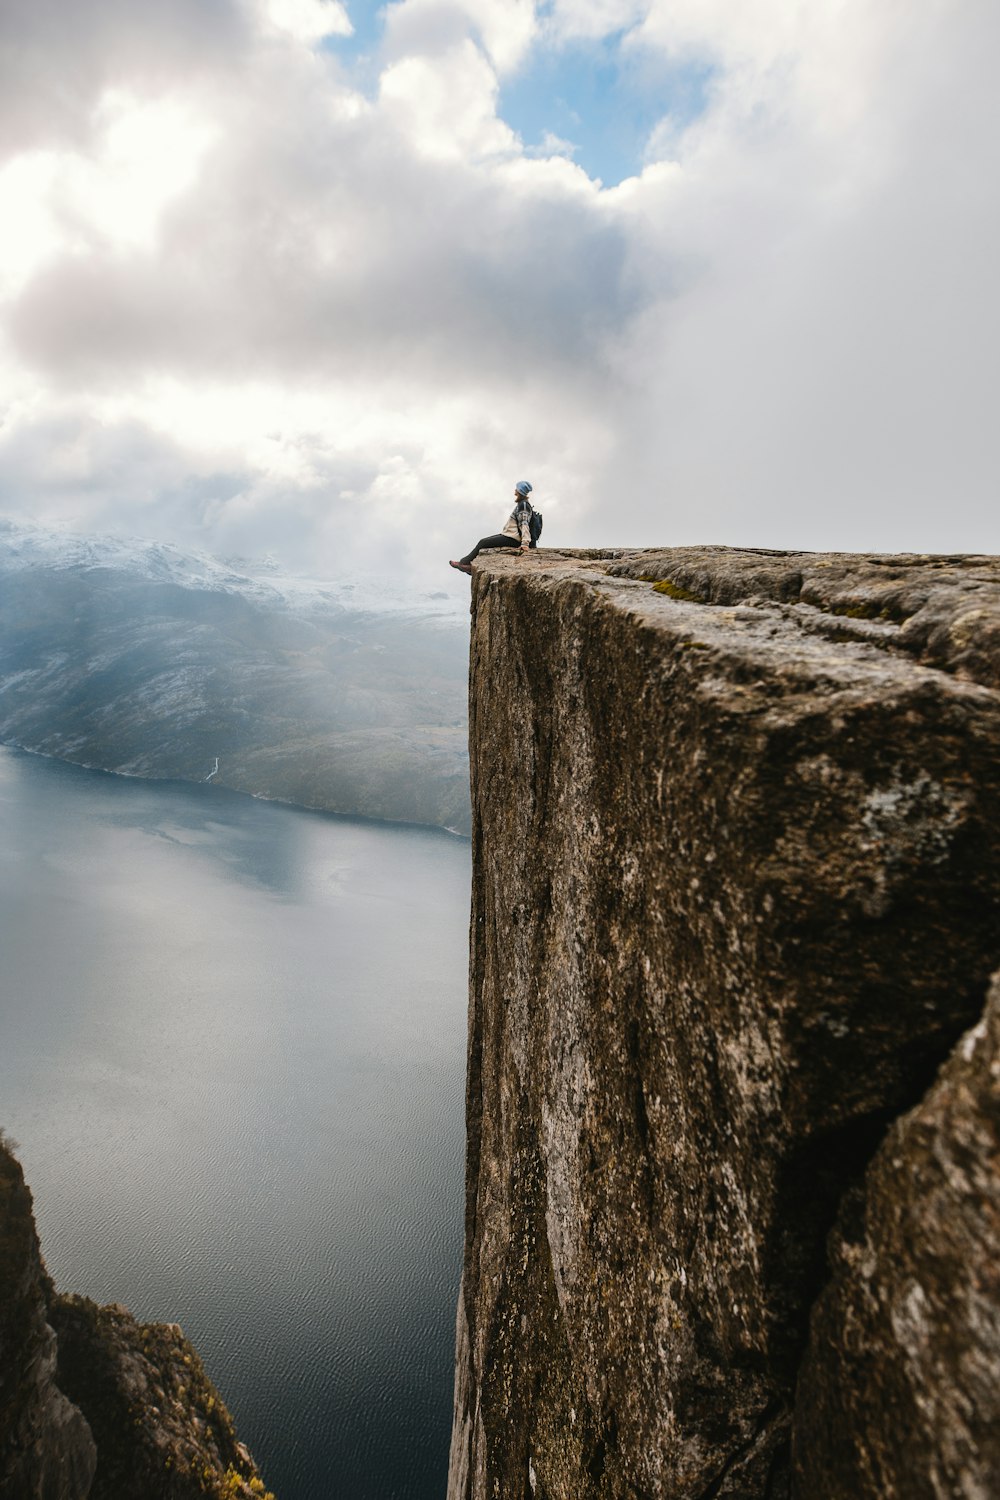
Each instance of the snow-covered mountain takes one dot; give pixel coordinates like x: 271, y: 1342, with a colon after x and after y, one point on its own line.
x: 257, y: 579
x: 140, y: 658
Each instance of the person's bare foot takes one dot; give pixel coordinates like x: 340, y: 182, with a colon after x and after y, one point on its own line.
x: 461, y: 566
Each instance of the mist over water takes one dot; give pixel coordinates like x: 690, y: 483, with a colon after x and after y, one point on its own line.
x: 233, y: 1045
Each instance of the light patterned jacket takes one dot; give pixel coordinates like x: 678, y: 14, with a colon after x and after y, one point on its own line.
x: 519, y: 523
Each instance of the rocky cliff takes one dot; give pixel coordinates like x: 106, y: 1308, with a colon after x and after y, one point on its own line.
x: 93, y: 1405
x: 733, y: 1149
x: 46, y: 1446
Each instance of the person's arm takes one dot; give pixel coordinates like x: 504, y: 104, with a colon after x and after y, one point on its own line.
x: 524, y: 526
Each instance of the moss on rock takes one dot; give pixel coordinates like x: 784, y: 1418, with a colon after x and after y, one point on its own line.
x: 161, y: 1427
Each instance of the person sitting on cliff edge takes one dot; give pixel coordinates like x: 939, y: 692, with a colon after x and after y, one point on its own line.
x: 516, y: 532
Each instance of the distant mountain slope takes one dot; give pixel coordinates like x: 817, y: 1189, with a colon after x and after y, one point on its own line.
x: 141, y: 659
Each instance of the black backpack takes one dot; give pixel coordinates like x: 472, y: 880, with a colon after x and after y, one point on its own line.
x: 535, y: 526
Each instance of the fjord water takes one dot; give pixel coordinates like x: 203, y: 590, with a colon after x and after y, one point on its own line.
x: 233, y: 1044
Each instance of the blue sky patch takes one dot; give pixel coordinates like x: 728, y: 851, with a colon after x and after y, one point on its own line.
x: 602, y: 99
x: 360, y: 49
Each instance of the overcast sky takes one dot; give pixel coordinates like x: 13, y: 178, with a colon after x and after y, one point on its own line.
x: 324, y: 279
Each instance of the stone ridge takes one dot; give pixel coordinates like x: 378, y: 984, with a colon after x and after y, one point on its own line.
x: 736, y: 895
x: 944, y: 611
x: 93, y: 1405
x: 46, y: 1446
x: 160, y: 1425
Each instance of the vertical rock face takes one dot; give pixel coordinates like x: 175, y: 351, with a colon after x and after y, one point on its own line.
x: 46, y: 1448
x: 736, y: 894
x: 94, y: 1404
x: 160, y: 1425
x: 899, y: 1394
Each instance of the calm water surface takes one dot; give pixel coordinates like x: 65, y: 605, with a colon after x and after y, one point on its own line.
x: 232, y: 1050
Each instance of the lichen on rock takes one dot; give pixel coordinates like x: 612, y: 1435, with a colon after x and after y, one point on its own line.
x: 93, y: 1405
x: 160, y: 1425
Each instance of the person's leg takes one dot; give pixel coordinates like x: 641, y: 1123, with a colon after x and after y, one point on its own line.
x: 500, y: 540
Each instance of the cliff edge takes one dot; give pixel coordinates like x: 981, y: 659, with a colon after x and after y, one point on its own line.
x: 736, y: 904
x: 93, y: 1405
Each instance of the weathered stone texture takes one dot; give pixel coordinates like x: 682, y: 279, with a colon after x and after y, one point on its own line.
x: 161, y: 1428
x: 93, y: 1405
x: 942, y: 611
x: 736, y: 894
x: 46, y: 1448
x: 899, y: 1395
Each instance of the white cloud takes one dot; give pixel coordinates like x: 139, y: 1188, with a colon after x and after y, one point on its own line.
x: 308, y: 20
x: 31, y: 235
x: 141, y: 154
x: 593, y: 19
x: 57, y: 60
x: 822, y: 378
x: 446, y: 105
x: 552, y: 145
x: 504, y: 29
x: 249, y: 303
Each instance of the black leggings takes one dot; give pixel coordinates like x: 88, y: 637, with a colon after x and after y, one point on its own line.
x: 500, y: 540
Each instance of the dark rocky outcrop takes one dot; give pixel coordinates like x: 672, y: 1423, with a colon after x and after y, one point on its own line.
x: 160, y: 1425
x: 899, y: 1394
x: 736, y: 896
x: 46, y: 1448
x: 94, y: 1404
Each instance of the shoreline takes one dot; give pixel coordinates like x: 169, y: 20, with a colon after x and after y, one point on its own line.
x: 326, y: 812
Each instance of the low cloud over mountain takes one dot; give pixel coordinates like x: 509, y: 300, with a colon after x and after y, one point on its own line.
x: 326, y: 278
x: 140, y: 659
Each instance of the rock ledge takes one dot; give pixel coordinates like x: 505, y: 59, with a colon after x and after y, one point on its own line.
x: 736, y: 898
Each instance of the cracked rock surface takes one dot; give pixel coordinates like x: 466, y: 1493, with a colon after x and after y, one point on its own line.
x: 736, y: 896
x: 899, y: 1393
